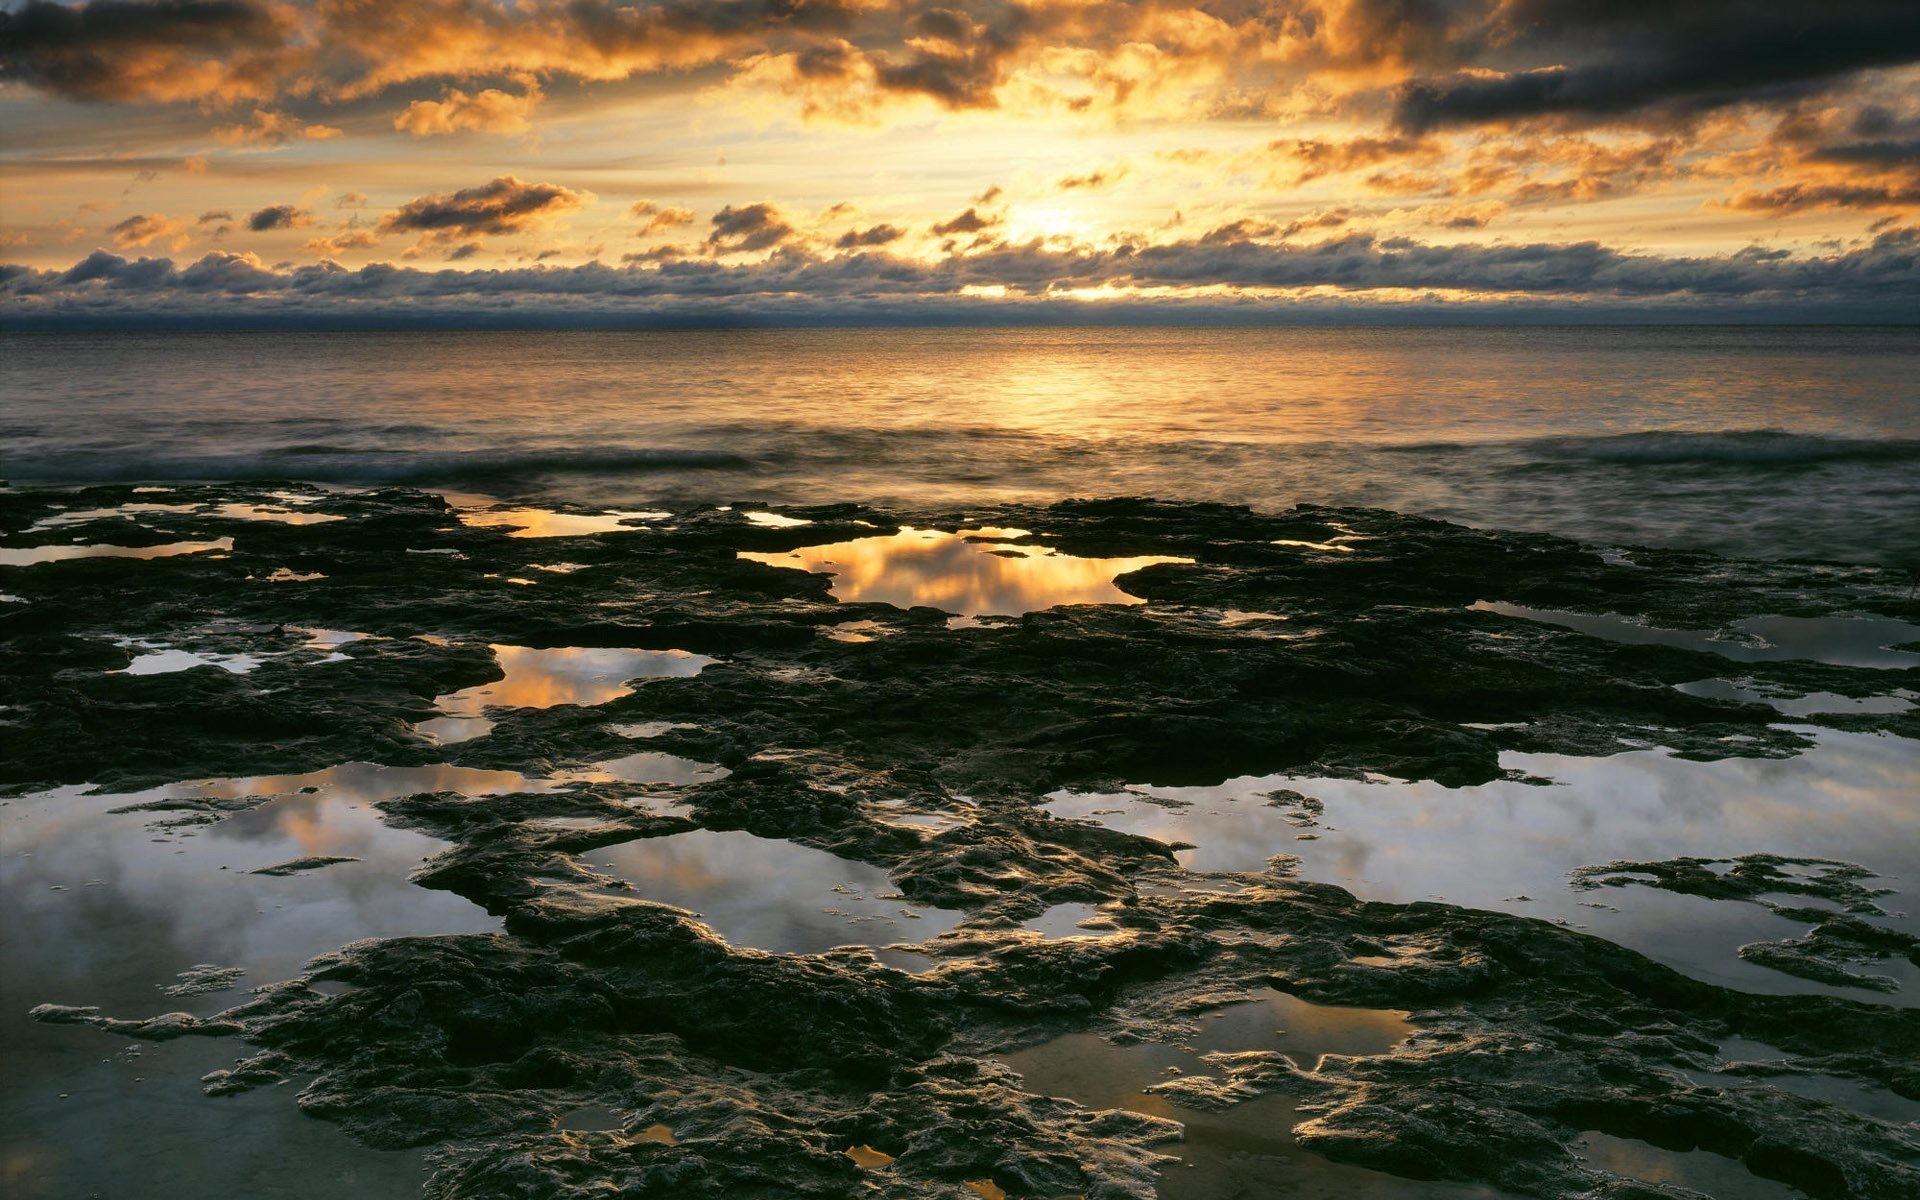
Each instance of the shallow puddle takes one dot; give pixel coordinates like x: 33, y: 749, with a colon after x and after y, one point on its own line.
x: 267, y: 512
x: 1898, y: 701
x: 1700, y: 1170
x: 120, y: 909
x: 164, y: 660
x: 647, y: 766
x: 771, y: 894
x: 975, y: 572
x: 1064, y: 920
x: 83, y: 1116
x: 543, y: 678
x: 1509, y: 846
x: 547, y: 522
x: 108, y: 906
x: 1851, y: 641
x: 1742, y: 1054
x: 27, y: 556
x: 1248, y: 1149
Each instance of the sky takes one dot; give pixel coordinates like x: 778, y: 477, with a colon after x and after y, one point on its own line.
x: 488, y: 162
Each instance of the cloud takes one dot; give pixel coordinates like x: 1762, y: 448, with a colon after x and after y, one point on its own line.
x: 211, y: 215
x: 1798, y: 197
x: 154, y: 51
x: 1312, y: 158
x: 504, y: 205
x: 1882, y: 276
x: 970, y: 221
x: 876, y: 235
x: 749, y: 228
x: 270, y: 128
x: 1610, y: 61
x: 278, y: 216
x: 1093, y: 179
x: 144, y: 230
x: 654, y: 217
x: 487, y: 111
x: 341, y: 243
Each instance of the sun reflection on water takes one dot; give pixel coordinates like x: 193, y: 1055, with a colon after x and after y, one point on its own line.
x: 974, y: 572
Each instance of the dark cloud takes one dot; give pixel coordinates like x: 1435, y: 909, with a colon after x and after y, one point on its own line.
x: 1596, y: 61
x: 143, y: 49
x: 504, y: 205
x: 970, y: 221
x: 1882, y: 276
x: 748, y: 228
x: 1798, y: 197
x: 277, y: 216
x: 877, y: 235
x: 144, y: 229
x: 1885, y: 154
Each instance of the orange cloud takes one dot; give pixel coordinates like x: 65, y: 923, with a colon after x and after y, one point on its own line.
x: 654, y: 217
x: 270, y: 128
x: 487, y: 111
x: 504, y: 205
x: 145, y: 229
x: 341, y: 243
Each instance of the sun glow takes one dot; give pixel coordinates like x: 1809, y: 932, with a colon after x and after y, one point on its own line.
x: 1048, y: 221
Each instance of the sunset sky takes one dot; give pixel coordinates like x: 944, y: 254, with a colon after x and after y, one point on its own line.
x: 548, y: 161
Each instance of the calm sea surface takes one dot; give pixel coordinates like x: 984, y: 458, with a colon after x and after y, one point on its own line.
x: 1773, y: 442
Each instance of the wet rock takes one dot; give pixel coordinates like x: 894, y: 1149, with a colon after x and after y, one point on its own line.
x: 309, y: 863
x: 1330, y: 641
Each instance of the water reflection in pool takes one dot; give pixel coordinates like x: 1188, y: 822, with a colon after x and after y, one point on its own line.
x: 107, y: 908
x: 772, y: 894
x: 1862, y: 640
x: 27, y: 556
x: 547, y: 522
x: 975, y: 572
x: 1509, y: 846
x: 543, y: 678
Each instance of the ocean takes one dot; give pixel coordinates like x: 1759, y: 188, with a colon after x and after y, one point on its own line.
x: 1761, y: 442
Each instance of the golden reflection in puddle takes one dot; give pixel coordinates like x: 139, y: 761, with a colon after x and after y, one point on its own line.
x: 661, y: 1135
x: 958, y: 573
x: 262, y: 512
x: 545, y: 522
x: 543, y: 678
x: 26, y: 556
x: 866, y: 1156
x: 985, y: 1187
